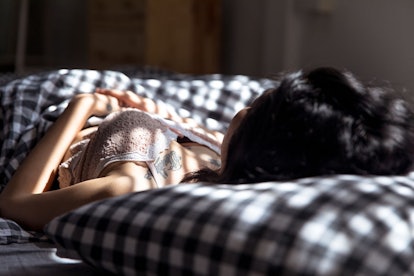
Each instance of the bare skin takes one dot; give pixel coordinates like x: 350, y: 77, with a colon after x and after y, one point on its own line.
x: 27, y: 198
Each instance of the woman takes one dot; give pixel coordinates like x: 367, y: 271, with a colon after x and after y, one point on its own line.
x: 314, y: 123
x: 28, y: 198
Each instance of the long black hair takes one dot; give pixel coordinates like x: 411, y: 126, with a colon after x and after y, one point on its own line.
x: 319, y: 122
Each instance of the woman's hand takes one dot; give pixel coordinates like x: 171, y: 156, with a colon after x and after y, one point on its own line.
x: 97, y: 104
x: 131, y: 99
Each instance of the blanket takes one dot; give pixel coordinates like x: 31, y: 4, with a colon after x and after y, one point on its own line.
x: 31, y: 104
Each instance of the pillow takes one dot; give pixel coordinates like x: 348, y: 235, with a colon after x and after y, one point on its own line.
x: 315, y: 226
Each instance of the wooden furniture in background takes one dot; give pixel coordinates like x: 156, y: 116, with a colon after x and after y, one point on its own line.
x: 179, y: 35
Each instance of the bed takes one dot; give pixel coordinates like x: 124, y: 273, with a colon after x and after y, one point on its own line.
x: 337, y: 225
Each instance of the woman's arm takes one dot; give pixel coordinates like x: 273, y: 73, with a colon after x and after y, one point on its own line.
x: 42, y: 162
x: 24, y: 199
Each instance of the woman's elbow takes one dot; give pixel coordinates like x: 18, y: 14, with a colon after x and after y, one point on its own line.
x: 13, y: 209
x: 8, y: 208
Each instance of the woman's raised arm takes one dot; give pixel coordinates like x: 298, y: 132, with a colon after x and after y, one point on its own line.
x: 37, y: 172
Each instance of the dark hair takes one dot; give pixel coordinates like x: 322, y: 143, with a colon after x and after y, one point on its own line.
x: 320, y: 122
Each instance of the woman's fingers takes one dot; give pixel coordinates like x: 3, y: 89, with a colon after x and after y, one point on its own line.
x: 105, y: 104
x: 129, y: 98
x: 125, y: 97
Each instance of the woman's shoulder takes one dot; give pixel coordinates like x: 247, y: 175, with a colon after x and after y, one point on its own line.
x: 171, y: 165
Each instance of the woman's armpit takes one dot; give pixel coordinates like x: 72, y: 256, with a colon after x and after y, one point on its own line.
x: 137, y: 172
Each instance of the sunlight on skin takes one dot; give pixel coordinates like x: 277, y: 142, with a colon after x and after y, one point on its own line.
x: 131, y: 99
x: 26, y: 201
x: 192, y: 156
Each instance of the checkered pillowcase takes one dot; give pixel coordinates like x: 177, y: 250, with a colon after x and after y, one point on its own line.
x: 343, y: 225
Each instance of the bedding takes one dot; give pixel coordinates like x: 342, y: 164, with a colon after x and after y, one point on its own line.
x: 337, y: 225
x: 29, y: 105
x: 39, y: 258
x: 342, y: 225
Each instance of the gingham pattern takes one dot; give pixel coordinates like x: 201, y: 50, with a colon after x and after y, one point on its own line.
x: 343, y: 225
x: 11, y: 232
x: 29, y: 105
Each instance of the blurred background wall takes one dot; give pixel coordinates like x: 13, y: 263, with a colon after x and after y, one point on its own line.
x: 373, y: 38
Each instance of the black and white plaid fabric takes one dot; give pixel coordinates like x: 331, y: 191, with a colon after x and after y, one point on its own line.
x: 11, y: 232
x: 31, y: 104
x: 343, y: 225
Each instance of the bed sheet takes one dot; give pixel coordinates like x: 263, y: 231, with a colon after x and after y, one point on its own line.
x: 39, y: 258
